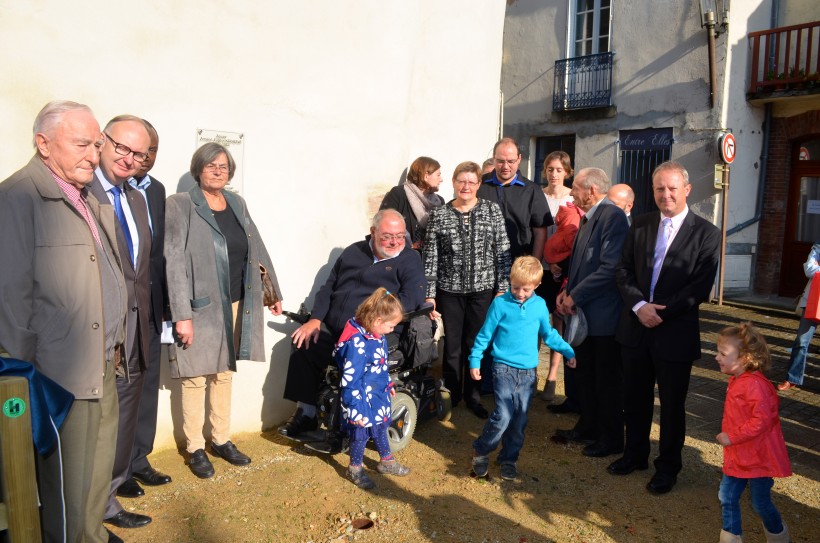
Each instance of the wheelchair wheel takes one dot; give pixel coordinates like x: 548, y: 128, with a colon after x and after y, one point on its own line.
x: 444, y: 404
x: 405, y: 417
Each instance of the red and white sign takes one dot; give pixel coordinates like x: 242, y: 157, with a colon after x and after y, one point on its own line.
x: 804, y: 154
x: 727, y: 148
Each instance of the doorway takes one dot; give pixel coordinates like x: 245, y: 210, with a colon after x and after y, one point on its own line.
x: 802, y: 216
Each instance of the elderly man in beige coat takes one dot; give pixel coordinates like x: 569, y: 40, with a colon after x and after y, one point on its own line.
x: 63, y: 309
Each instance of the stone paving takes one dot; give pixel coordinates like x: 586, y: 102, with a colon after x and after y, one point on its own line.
x: 799, y: 408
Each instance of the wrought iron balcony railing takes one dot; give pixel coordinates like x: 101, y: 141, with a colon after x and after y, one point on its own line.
x: 583, y: 82
x: 785, y: 58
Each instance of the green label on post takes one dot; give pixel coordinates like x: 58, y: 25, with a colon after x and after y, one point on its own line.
x: 14, y: 407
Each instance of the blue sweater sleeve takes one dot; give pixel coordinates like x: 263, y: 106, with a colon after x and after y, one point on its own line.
x: 485, y: 335
x: 553, y: 339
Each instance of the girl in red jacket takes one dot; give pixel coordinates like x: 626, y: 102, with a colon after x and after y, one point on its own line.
x: 753, y: 447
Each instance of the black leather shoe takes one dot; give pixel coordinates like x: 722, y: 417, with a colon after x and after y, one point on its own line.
x: 661, y: 483
x: 599, y: 450
x: 228, y: 451
x: 124, y: 519
x: 297, y: 424
x: 151, y: 477
x: 200, y: 465
x: 562, y: 408
x: 479, y: 410
x: 573, y: 436
x: 625, y: 466
x: 130, y: 489
x: 113, y: 538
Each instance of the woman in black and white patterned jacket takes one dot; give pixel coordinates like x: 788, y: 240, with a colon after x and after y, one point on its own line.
x: 467, y: 261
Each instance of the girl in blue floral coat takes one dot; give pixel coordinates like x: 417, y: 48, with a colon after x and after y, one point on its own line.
x: 361, y: 354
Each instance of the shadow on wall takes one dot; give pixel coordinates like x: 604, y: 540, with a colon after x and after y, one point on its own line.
x: 186, y: 182
x: 275, y: 409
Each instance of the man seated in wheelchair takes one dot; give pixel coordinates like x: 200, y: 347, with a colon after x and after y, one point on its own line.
x: 380, y: 260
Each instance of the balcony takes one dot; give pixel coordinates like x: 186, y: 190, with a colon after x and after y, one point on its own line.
x: 785, y: 62
x: 583, y: 82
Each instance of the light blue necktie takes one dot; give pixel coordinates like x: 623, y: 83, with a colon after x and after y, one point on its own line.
x: 660, y: 251
x: 116, y: 191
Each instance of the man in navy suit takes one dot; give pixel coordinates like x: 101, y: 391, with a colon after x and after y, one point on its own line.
x: 126, y: 147
x: 591, y: 287
x: 667, y: 270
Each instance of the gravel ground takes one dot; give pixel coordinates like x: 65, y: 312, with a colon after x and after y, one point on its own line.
x: 290, y: 494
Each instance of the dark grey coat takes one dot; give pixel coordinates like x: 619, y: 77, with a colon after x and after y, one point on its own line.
x: 196, y: 265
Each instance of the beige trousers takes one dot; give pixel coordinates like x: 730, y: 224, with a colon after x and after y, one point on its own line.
x: 218, y: 387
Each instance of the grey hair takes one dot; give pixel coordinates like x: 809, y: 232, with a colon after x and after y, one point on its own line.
x: 594, y: 176
x: 51, y: 115
x: 675, y: 167
x: 207, y: 154
x: 382, y: 214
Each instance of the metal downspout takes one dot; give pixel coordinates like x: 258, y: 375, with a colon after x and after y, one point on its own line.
x: 710, y: 25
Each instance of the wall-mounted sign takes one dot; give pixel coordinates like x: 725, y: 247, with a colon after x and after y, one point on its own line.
x: 727, y: 148
x: 653, y: 139
x: 235, y: 143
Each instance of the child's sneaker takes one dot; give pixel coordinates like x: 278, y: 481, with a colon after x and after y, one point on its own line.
x: 360, y: 478
x: 481, y: 465
x: 508, y: 471
x: 392, y: 468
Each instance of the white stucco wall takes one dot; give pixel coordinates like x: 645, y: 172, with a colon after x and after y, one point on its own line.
x: 335, y: 99
x: 745, y: 120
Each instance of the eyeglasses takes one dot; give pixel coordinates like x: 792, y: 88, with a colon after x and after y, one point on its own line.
x: 391, y: 237
x: 468, y: 183
x: 124, y: 150
x: 213, y: 168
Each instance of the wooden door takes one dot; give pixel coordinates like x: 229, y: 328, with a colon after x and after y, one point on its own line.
x: 802, y: 216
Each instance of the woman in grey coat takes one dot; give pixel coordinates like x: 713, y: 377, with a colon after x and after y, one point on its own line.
x: 213, y: 253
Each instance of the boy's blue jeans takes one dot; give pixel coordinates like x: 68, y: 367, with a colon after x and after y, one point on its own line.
x: 800, y: 349
x: 760, y: 489
x: 513, y: 389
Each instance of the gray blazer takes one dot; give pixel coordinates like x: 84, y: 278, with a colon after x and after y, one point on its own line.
x: 196, y: 266
x: 51, y: 312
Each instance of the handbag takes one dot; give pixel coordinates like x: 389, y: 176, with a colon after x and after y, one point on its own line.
x: 269, y: 296
x: 812, y: 311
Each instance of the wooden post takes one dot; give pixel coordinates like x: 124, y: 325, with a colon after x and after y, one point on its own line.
x: 19, y: 488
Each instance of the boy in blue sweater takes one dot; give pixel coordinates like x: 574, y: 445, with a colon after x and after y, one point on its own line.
x: 513, y: 324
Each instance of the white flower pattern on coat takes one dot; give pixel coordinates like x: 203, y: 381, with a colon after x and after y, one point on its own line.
x: 383, y: 414
x: 347, y: 373
x: 365, y: 381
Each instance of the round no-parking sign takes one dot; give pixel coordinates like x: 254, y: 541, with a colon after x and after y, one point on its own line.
x: 727, y: 146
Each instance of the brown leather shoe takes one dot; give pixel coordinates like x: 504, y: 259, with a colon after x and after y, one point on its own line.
x: 785, y: 385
